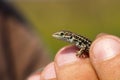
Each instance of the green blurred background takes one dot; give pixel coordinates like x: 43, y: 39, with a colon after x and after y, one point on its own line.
x: 86, y: 17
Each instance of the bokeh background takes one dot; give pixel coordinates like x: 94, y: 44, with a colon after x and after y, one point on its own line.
x: 26, y: 28
x: 86, y: 17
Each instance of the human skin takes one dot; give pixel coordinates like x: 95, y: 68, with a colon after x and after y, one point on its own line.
x: 103, y: 63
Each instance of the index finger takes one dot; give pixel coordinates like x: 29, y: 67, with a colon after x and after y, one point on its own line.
x: 70, y: 67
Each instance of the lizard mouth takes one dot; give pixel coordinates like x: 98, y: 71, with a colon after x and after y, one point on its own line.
x: 56, y: 35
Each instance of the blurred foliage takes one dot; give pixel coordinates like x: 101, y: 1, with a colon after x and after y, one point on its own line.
x: 86, y: 17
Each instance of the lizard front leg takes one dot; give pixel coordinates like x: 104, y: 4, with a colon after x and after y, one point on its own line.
x: 82, y: 49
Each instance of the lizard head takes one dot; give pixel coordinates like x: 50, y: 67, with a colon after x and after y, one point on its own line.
x: 63, y: 35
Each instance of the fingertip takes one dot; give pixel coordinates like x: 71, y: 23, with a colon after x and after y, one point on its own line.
x: 35, y: 76
x: 66, y: 55
x: 48, y: 72
x: 101, y: 34
x: 70, y: 67
x: 105, y: 47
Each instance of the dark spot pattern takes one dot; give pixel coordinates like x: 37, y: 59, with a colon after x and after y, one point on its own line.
x: 79, y: 40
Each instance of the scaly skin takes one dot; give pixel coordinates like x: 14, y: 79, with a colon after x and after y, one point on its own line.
x: 81, y: 42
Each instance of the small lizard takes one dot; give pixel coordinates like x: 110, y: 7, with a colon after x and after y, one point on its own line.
x: 81, y: 42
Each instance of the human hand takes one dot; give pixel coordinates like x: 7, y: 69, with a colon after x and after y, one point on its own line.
x: 103, y: 63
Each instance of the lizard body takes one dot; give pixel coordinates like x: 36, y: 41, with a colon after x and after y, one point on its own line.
x: 80, y: 41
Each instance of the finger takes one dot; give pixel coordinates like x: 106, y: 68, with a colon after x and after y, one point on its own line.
x: 49, y: 72
x: 101, y: 34
x: 70, y: 67
x: 35, y: 76
x: 105, y: 57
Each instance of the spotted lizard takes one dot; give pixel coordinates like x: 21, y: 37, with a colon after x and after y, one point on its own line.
x: 80, y: 41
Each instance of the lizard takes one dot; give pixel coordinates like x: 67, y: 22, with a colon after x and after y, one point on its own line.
x: 79, y: 41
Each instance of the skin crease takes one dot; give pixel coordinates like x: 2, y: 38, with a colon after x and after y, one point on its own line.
x: 103, y: 64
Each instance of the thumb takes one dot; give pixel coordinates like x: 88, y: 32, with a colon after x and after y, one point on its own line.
x: 105, y: 57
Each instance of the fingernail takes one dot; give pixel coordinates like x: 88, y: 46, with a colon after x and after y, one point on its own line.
x: 49, y: 72
x: 105, y: 48
x: 66, y: 55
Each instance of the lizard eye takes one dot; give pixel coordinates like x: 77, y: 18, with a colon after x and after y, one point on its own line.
x: 70, y: 37
x: 61, y: 34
